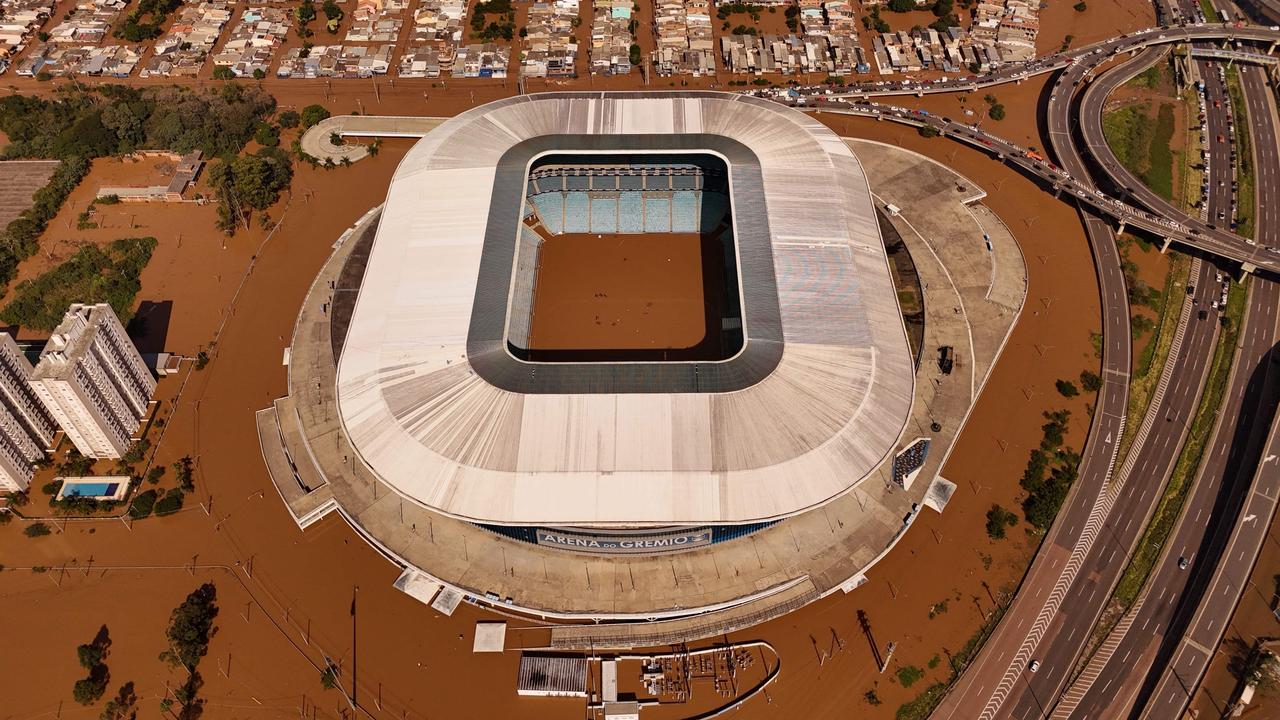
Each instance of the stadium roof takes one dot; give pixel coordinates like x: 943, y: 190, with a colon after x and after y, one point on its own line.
x: 424, y: 406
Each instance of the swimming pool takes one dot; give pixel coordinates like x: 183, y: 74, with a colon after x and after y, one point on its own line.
x: 101, y: 487
x: 91, y: 490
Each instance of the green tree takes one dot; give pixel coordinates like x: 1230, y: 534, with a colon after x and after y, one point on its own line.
x: 996, y: 112
x: 902, y: 6
x: 998, y: 519
x: 634, y: 55
x: 95, y: 652
x: 190, y: 626
x: 289, y: 119
x: 184, y: 468
x: 1090, y: 381
x: 1066, y: 388
x: 123, y: 706
x: 313, y: 114
x: 222, y: 72
x: 36, y: 529
x: 170, y: 503
x: 142, y: 504
x: 88, y: 691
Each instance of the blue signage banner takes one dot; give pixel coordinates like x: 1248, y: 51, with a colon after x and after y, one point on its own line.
x: 614, y: 544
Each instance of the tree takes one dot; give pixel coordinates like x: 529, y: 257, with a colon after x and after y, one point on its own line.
x: 997, y: 520
x: 169, y: 504
x: 259, y: 74
x: 184, y: 468
x: 36, y: 529
x: 289, y: 119
x: 222, y: 72
x: 634, y: 55
x: 122, y: 706
x: 94, y: 652
x: 331, y: 10
x: 902, y: 6
x: 91, y: 656
x: 190, y: 626
x: 88, y: 690
x: 1066, y: 388
x: 996, y: 112
x: 1090, y: 381
x: 928, y: 131
x: 313, y: 114
x: 267, y: 135
x: 1080, y: 6
x: 143, y: 504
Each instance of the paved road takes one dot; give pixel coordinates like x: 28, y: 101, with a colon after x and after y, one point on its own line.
x: 1243, y: 513
x: 983, y: 688
x: 1112, y: 690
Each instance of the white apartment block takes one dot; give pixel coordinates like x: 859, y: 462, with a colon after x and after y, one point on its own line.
x: 93, y: 381
x: 26, y: 428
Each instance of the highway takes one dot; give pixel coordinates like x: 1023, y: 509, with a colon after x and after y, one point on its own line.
x: 1136, y: 656
x: 1113, y: 683
x: 1101, y: 555
x: 1057, y: 626
x: 1243, y: 513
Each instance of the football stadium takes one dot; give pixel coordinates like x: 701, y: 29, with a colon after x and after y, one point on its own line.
x: 640, y: 333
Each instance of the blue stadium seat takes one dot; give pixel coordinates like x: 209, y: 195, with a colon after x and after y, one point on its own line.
x: 657, y: 214
x: 630, y: 213
x: 604, y: 214
x: 551, y: 210
x: 576, y: 218
x: 684, y: 212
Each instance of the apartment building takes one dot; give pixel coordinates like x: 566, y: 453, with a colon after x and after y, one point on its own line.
x: 93, y: 382
x: 26, y: 428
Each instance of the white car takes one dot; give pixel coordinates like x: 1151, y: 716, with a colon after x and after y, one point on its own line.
x: 1034, y: 665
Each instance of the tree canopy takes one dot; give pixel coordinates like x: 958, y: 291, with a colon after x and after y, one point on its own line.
x: 190, y: 626
x: 93, y: 274
x: 114, y: 119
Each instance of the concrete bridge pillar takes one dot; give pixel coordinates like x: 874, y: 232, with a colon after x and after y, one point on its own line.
x: 1247, y: 269
x: 919, y: 93
x: 1120, y: 230
x: 1057, y: 191
x: 1164, y: 247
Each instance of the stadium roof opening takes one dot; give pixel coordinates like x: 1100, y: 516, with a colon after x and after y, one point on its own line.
x: 626, y: 257
x: 441, y: 408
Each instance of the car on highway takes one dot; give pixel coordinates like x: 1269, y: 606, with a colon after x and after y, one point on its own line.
x: 1034, y: 665
x: 1182, y: 563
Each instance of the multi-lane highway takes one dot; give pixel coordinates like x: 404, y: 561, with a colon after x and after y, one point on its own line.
x: 1072, y: 577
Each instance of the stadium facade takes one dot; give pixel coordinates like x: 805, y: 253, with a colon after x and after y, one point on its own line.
x: 440, y: 403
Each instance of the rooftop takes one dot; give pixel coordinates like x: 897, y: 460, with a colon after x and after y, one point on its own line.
x: 440, y: 411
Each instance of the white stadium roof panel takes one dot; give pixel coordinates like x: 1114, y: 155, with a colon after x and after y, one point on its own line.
x: 796, y: 430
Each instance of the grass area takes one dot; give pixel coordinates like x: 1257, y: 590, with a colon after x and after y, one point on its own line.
x: 1128, y: 134
x: 1151, y: 361
x: 1210, y: 12
x: 1149, y: 78
x: 1245, y: 206
x: 1141, y: 145
x: 1175, y: 493
x: 1159, y: 175
x: 93, y: 274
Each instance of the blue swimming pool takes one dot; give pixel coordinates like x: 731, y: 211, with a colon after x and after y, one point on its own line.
x: 97, y: 489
